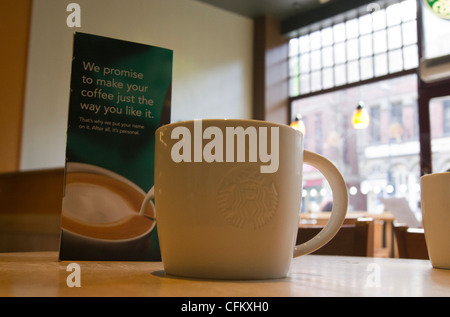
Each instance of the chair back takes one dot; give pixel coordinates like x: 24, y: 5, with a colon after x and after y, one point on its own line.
x: 410, y: 242
x: 353, y: 239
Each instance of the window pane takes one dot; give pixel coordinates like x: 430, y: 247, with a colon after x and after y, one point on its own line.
x: 381, y: 64
x: 365, y: 24
x: 327, y: 36
x: 409, y: 33
x: 375, y: 129
x: 304, y: 63
x: 353, y: 71
x: 327, y: 56
x: 410, y: 130
x: 293, y: 66
x: 446, y: 116
x: 304, y: 43
x: 380, y: 41
x: 328, y: 79
x: 379, y: 19
x: 318, y: 133
x: 394, y: 14
x: 352, y: 49
x: 366, y: 68
x: 315, y: 40
x: 366, y: 45
x: 395, y: 61
x: 440, y: 133
x: 316, y: 81
x: 339, y: 32
x: 340, y: 75
x: 305, y: 86
x: 409, y: 10
x: 410, y: 57
x: 394, y: 37
x: 352, y: 28
x: 379, y: 162
x: 339, y: 53
x: 293, y: 47
x: 294, y: 86
x: 316, y: 60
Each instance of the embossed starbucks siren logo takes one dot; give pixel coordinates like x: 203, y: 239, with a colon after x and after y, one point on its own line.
x: 247, y: 199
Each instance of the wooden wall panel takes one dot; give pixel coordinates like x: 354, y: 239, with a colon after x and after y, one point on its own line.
x: 14, y: 33
x: 30, y: 209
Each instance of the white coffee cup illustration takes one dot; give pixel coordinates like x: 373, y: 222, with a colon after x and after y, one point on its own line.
x: 103, y: 209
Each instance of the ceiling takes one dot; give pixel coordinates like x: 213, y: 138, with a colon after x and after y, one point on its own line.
x: 281, y: 9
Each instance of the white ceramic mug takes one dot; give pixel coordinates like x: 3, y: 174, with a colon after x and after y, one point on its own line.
x: 435, y: 192
x: 228, y: 196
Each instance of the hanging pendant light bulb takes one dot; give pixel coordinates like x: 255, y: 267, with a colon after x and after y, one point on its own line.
x: 361, y: 118
x: 299, y: 124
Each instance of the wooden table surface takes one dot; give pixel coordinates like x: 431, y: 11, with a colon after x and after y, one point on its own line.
x: 42, y: 274
x: 384, y: 216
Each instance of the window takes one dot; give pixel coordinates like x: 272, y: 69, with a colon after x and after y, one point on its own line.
x: 440, y: 133
x: 381, y: 161
x: 446, y: 117
x: 396, y: 122
x: 375, y: 130
x: 435, y: 96
x: 318, y: 133
x: 372, y: 57
x: 357, y: 49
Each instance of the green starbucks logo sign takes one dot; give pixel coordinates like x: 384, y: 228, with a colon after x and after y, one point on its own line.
x: 440, y: 7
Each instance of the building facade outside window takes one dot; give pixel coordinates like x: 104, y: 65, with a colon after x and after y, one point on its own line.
x: 380, y: 161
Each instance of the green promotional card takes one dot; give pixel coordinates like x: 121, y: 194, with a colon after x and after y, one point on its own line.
x: 120, y: 94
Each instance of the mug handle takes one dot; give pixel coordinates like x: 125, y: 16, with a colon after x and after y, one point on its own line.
x: 340, y: 203
x: 148, y: 200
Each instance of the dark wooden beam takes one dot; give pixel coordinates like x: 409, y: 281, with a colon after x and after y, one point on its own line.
x: 270, y: 82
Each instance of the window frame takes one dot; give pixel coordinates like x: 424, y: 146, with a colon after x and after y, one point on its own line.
x: 332, y: 22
